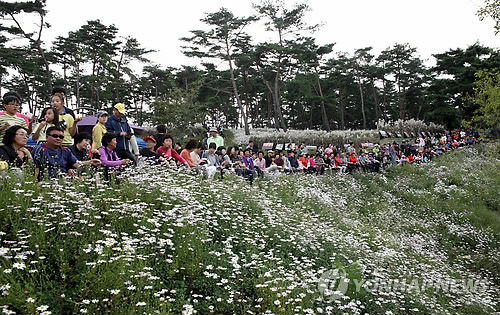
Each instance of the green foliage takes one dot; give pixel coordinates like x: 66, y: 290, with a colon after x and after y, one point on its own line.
x: 180, y: 109
x: 487, y: 96
x: 491, y: 9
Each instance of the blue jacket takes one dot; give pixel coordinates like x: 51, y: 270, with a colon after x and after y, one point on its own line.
x: 116, y: 126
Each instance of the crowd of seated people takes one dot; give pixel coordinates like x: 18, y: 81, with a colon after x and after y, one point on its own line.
x: 61, y: 151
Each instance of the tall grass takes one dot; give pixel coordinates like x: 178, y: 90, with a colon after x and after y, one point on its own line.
x: 172, y: 243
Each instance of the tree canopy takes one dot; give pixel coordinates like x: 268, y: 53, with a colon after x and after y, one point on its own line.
x: 287, y: 81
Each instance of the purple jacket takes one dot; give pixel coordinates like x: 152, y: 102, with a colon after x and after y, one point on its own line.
x: 108, y: 157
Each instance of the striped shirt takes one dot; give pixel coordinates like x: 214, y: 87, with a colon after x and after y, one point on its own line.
x: 13, y: 120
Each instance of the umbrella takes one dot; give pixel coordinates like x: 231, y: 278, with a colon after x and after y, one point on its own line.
x: 88, y: 122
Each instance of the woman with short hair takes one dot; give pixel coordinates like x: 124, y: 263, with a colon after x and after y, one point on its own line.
x: 14, y: 151
x: 108, y: 154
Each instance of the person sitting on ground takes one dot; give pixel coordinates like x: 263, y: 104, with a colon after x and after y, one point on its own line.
x: 99, y: 130
x: 213, y: 163
x: 373, y: 163
x: 362, y: 161
x: 13, y: 151
x: 338, y: 163
x: 329, y: 149
x: 215, y: 138
x: 328, y: 161
x: 260, y: 165
x: 195, y: 154
x: 48, y: 118
x: 302, y: 149
x: 148, y: 151
x: 186, y: 153
x: 248, y: 167
x: 224, y: 159
x: 269, y: 158
x: 210, y: 156
x: 170, y: 154
x: 108, y: 156
x: 51, y: 158
x: 11, y: 104
x: 313, y: 168
x: 81, y: 149
x: 352, y: 163
x: 344, y: 162
x: 411, y: 158
x: 320, y: 164
x: 236, y: 161
x: 304, y: 162
x: 294, y: 164
x: 279, y: 162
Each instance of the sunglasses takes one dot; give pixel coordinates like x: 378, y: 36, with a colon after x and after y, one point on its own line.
x: 57, y: 136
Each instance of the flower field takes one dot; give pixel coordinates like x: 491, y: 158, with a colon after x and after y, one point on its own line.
x: 412, y: 240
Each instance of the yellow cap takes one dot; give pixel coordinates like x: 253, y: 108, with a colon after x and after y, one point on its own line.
x: 120, y: 108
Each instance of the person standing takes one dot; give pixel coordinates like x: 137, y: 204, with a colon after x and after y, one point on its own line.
x: 9, y: 118
x: 99, y: 130
x: 215, y: 138
x: 162, y: 132
x: 117, y: 124
x: 62, y: 91
x: 66, y: 121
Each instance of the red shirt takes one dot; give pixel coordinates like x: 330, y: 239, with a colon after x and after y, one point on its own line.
x: 353, y: 159
x: 170, y: 153
x: 338, y: 161
x: 303, y: 160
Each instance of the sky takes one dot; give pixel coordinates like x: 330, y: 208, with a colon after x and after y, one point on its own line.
x: 432, y: 26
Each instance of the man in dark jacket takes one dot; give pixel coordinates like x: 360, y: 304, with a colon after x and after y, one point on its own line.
x: 118, y: 125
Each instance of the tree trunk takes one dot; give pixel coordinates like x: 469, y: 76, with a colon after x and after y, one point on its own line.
x: 375, y: 100
x: 46, y: 65
x: 311, y: 116
x: 362, y: 104
x: 342, y: 113
x: 235, y: 90
x: 277, y: 103
x: 385, y: 100
x: 270, y: 116
x: 360, y: 84
x: 117, y: 78
x: 401, y: 111
x: 78, y: 84
x: 324, y: 117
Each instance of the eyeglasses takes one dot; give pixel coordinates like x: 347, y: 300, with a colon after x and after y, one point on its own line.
x: 22, y: 135
x: 57, y: 136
